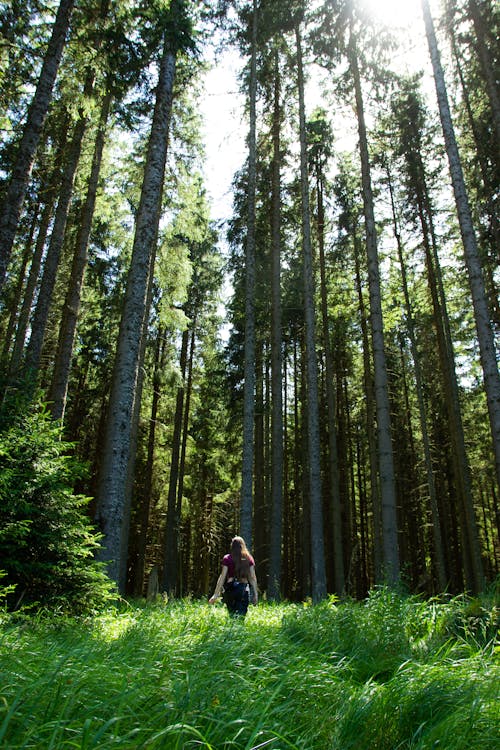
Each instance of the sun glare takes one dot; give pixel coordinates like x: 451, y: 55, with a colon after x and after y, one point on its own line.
x: 394, y: 12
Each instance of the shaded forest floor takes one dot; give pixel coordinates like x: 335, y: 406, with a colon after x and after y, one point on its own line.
x: 390, y: 672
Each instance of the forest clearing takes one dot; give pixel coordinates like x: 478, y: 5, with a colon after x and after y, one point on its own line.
x: 390, y: 673
x: 306, y: 356
x: 316, y: 370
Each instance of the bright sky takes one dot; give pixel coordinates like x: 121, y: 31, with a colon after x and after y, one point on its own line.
x: 395, y: 12
x: 226, y: 128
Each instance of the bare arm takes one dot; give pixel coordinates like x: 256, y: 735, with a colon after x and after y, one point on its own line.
x: 253, y: 582
x: 219, y: 585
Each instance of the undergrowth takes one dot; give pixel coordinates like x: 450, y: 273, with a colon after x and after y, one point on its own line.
x: 390, y: 673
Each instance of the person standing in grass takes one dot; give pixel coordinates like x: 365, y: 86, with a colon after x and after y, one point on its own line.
x: 238, y: 579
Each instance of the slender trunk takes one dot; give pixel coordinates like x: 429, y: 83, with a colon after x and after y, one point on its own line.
x: 482, y: 150
x: 67, y: 329
x: 333, y: 460
x: 410, y: 325
x: 134, y: 426
x: 246, y: 507
x: 185, y: 426
x: 460, y: 463
x: 287, y: 560
x: 113, y: 508
x: 148, y: 484
x: 363, y: 511
x: 378, y: 556
x: 385, y: 453
x: 487, y: 66
x: 274, y: 585
x: 16, y: 294
x: 52, y: 259
x: 313, y: 437
x: 489, y: 195
x: 50, y: 192
x: 170, y: 583
x: 304, y: 533
x: 472, y: 260
x: 261, y: 530
x: 37, y: 112
x: 187, y: 407
x: 413, y: 548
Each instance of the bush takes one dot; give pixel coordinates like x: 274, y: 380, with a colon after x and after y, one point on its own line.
x: 47, y: 542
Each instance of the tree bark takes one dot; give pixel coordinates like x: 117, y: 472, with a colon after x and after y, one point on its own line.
x: 170, y: 583
x: 378, y: 553
x: 333, y: 461
x: 52, y: 259
x: 246, y: 507
x: 385, y: 453
x: 410, y: 325
x: 113, y: 510
x: 17, y: 293
x: 275, y: 551
x: 487, y: 66
x: 185, y: 425
x: 472, y: 260
x: 49, y: 190
x: 148, y: 483
x: 13, y: 203
x: 67, y: 328
x: 318, y: 572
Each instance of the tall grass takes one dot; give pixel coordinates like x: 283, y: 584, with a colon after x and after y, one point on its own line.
x: 389, y: 673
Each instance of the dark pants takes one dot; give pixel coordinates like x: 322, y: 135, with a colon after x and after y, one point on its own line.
x: 236, y: 598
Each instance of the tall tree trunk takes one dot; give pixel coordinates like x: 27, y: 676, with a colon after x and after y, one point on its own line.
x: 472, y: 260
x: 134, y: 426
x: 487, y: 65
x: 489, y: 195
x: 275, y: 551
x: 483, y: 154
x: 304, y: 533
x: 49, y: 190
x: 185, y: 426
x: 378, y: 554
x: 410, y: 325
x: 148, y: 484
x: 37, y: 112
x: 113, y: 506
x: 318, y: 572
x: 170, y: 582
x: 182, y: 463
x: 260, y: 501
x: 246, y: 506
x: 67, y: 329
x: 52, y: 259
x: 461, y: 470
x: 333, y: 461
x: 385, y: 454
x: 17, y: 292
x: 288, y: 558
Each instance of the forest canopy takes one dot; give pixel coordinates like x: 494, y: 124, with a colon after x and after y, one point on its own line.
x: 317, y: 370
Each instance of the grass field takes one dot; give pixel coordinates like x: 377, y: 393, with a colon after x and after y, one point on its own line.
x: 392, y: 672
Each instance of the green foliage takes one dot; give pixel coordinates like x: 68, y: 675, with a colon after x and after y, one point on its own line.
x: 47, y: 542
x: 183, y: 675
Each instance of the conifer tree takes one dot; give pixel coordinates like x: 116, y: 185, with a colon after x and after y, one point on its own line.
x: 113, y: 502
x: 246, y: 508
x: 472, y: 260
x: 21, y: 170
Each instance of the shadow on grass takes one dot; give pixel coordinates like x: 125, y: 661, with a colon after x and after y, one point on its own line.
x: 375, y: 674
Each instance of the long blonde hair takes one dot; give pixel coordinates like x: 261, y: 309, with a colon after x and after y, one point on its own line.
x: 241, y: 557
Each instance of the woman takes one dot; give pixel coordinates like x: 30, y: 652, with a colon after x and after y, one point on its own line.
x: 237, y: 576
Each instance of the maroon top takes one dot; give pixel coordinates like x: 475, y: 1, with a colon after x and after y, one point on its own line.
x: 228, y: 561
